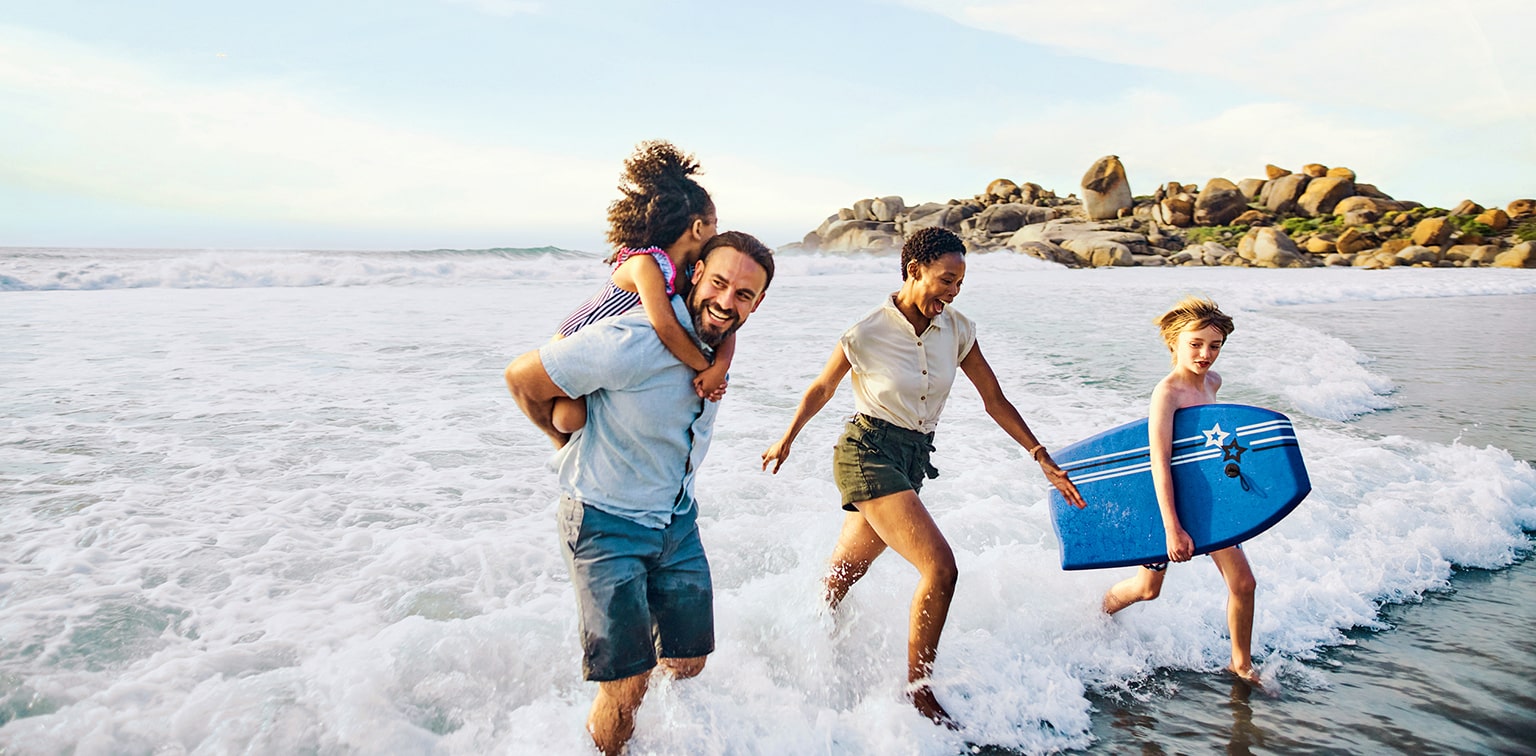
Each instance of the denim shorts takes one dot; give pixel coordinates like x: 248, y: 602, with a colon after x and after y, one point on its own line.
x: 640, y: 593
x: 875, y: 458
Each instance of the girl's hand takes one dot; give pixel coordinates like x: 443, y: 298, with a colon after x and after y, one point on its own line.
x: 1058, y: 478
x: 710, y: 382
x: 1181, y: 548
x: 777, y: 454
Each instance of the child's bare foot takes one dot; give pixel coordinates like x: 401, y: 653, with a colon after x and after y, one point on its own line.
x: 922, y: 697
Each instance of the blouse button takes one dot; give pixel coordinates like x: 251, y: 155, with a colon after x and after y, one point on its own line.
x: 922, y: 398
x: 925, y: 372
x: 919, y: 343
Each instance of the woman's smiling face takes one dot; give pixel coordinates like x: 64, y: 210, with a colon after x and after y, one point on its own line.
x: 936, y: 284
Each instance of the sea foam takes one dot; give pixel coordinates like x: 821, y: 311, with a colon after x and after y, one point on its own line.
x: 310, y: 518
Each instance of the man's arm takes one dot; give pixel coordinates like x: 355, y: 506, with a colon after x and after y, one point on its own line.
x: 535, y: 394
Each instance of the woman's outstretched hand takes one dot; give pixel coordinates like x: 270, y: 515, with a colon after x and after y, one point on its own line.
x: 1058, y: 478
x: 776, y: 454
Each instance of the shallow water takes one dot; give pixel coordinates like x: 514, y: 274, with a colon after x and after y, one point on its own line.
x: 1453, y: 674
x: 280, y: 502
x: 1463, y: 370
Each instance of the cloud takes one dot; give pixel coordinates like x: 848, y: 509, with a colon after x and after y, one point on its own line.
x: 76, y: 120
x: 1461, y: 60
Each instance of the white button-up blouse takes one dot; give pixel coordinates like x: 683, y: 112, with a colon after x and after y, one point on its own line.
x: 900, y: 376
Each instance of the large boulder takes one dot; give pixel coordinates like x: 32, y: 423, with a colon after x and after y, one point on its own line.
x: 1216, y: 253
x: 1418, y: 255
x: 1282, y: 193
x: 826, y: 224
x: 1365, y: 207
x: 1009, y: 217
x: 1219, y: 203
x: 1521, y: 208
x: 1496, y: 219
x: 1467, y: 207
x: 1099, y: 252
x: 1315, y: 170
x: 1323, y: 194
x: 1461, y: 253
x: 1093, y: 244
x: 1002, y: 189
x: 862, y: 210
x: 1341, y: 172
x: 1250, y: 188
x: 925, y: 215
x: 1432, y: 232
x: 1106, y: 190
x: 1274, y: 171
x: 1270, y: 247
x: 1485, y: 254
x: 885, y: 209
x: 1351, y: 242
x: 1175, y: 210
x: 1522, y: 255
x: 957, y: 214
x: 1049, y: 252
x: 858, y: 235
x: 1252, y: 217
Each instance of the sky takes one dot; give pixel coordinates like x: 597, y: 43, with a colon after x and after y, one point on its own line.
x: 426, y: 124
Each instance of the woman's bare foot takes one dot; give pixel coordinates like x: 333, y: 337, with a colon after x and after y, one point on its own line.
x: 922, y: 697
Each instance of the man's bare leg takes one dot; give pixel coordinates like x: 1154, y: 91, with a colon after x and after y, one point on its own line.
x: 612, y: 719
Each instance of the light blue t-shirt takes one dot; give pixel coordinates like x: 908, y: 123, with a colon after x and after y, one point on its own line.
x: 647, y: 430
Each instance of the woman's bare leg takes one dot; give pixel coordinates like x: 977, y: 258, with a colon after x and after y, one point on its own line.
x: 857, y: 546
x: 901, y: 522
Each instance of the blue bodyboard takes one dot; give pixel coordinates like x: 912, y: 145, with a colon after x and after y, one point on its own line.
x: 1237, y: 470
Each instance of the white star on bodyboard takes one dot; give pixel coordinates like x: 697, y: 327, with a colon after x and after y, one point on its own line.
x: 1215, y: 436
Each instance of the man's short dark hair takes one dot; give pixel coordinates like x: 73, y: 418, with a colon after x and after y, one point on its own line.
x: 927, y: 245
x: 746, y: 244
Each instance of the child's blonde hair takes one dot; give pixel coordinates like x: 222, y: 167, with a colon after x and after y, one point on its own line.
x: 1192, y: 311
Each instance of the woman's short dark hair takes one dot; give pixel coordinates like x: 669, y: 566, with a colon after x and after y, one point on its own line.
x: 660, y: 199
x: 927, y: 245
x: 746, y: 244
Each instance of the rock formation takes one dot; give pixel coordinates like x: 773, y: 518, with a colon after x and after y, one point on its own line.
x: 1317, y: 215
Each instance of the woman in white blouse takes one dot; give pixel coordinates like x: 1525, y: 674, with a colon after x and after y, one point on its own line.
x: 903, y: 356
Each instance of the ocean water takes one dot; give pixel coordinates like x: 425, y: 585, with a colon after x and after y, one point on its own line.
x: 280, y: 502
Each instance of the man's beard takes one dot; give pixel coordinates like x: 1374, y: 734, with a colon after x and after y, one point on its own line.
x: 711, y: 338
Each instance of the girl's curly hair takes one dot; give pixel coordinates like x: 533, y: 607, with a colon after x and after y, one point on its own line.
x: 660, y: 198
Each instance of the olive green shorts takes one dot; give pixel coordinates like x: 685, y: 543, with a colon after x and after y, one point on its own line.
x: 875, y: 458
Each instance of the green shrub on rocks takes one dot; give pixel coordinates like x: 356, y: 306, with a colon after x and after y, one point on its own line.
x: 1468, y: 224
x: 1203, y: 234
x: 1297, y: 226
x: 1526, y: 231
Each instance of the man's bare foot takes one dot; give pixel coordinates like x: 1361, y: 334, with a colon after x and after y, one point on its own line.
x: 1248, y: 674
x: 922, y: 697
